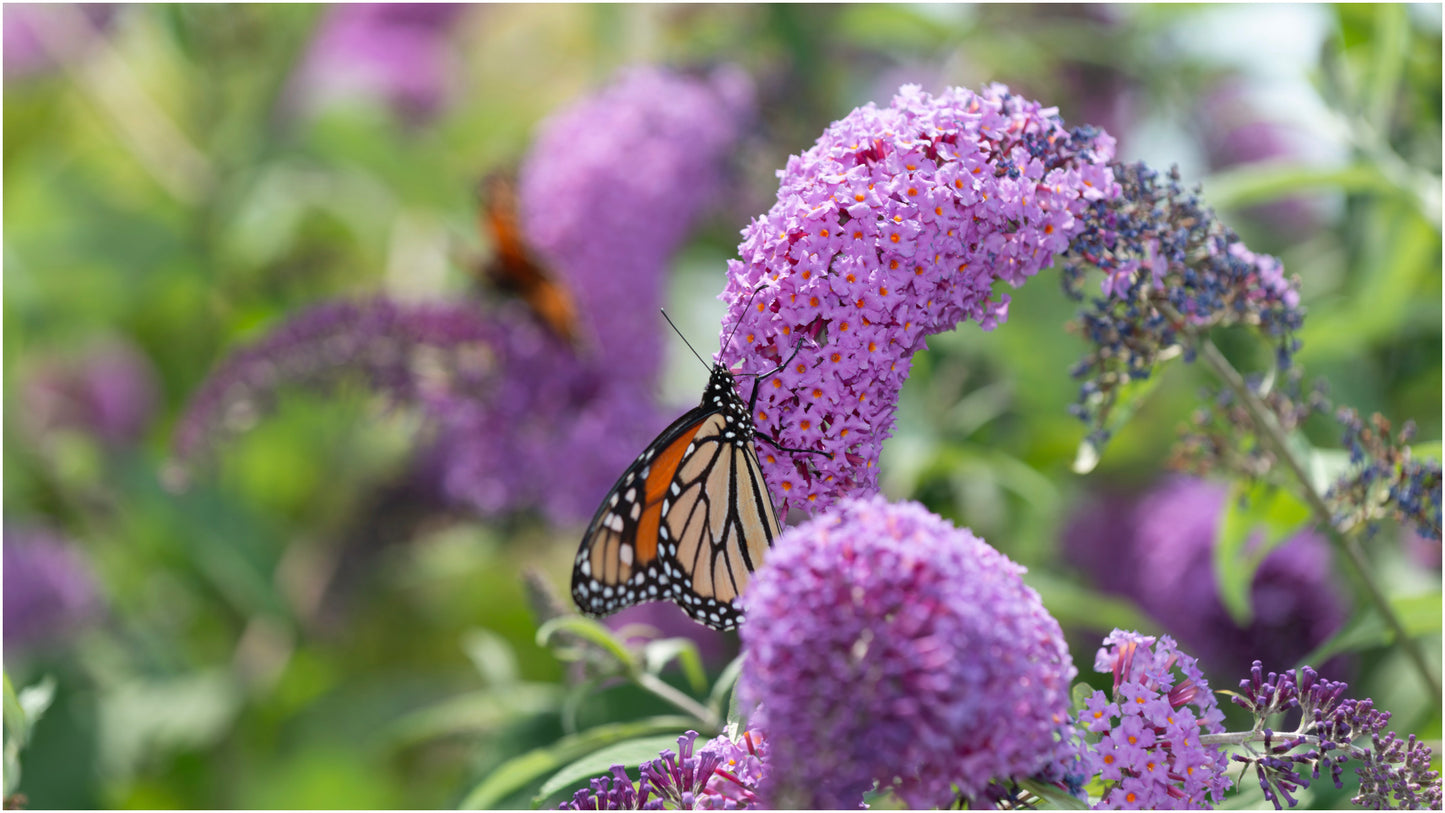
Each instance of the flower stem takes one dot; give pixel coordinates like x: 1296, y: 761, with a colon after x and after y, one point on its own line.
x: 659, y: 687
x: 1269, y: 431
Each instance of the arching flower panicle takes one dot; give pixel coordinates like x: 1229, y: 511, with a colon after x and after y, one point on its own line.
x: 894, y: 226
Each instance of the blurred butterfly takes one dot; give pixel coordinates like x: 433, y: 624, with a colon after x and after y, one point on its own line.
x: 689, y: 520
x: 513, y: 269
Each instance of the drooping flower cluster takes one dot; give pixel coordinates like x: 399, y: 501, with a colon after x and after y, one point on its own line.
x: 1149, y: 750
x: 1169, y: 266
x: 412, y: 353
x: 885, y: 645
x: 1385, y: 478
x: 721, y: 775
x: 1158, y: 549
x: 1393, y: 773
x: 894, y: 226
x: 522, y: 418
x: 49, y: 589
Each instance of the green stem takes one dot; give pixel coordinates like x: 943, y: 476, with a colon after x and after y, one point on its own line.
x: 1273, y: 436
x: 652, y: 683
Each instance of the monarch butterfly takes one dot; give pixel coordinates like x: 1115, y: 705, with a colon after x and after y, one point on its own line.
x: 513, y: 268
x: 689, y: 520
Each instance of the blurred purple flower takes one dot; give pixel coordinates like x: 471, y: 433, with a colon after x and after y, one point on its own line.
x: 611, y: 188
x: 396, y: 53
x: 1235, y: 134
x: 608, y: 192
x: 26, y: 52
x: 607, y: 195
x: 110, y: 391
x: 1144, y: 733
x: 894, y: 226
x: 1163, y: 545
x: 49, y: 589
x: 884, y: 644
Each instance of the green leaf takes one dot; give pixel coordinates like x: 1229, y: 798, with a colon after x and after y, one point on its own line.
x: 628, y: 754
x: 1128, y: 397
x: 657, y: 654
x: 1420, y: 615
x: 1263, y: 182
x: 1072, y: 603
x: 476, y: 712
x: 491, y: 655
x: 1056, y: 797
x: 517, y: 773
x: 722, y: 690
x: 1250, y: 510
x: 590, y: 631
x: 1325, y: 467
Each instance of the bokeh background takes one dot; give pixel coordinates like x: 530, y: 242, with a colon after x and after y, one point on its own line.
x: 305, y: 619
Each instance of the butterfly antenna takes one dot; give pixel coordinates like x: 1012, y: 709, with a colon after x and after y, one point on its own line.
x: 729, y: 339
x: 684, y: 339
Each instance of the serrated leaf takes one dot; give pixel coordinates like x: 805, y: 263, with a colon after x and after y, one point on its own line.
x: 628, y: 754
x: 1251, y: 512
x: 517, y: 773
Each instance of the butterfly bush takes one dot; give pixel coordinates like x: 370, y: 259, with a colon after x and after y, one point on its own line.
x: 1393, y: 773
x: 611, y: 188
x: 883, y: 644
x: 50, y: 590
x: 1158, y: 549
x: 522, y: 419
x: 1146, y: 731
x: 721, y: 775
x: 108, y: 392
x: 395, y: 52
x: 894, y: 226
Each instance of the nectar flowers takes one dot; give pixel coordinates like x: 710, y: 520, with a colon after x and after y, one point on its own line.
x: 1149, y: 751
x: 885, y: 644
x: 893, y: 227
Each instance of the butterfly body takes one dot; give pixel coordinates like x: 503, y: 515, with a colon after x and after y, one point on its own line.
x: 688, y: 521
x: 514, y: 269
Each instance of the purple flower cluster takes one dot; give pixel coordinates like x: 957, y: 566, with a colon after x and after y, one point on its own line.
x: 49, y: 589
x: 1158, y: 549
x: 611, y: 188
x: 885, y: 645
x: 1385, y: 478
x: 894, y: 226
x: 394, y: 52
x: 412, y: 353
x: 1393, y: 773
x: 110, y: 392
x: 1170, y: 266
x: 1148, y: 750
x: 722, y: 775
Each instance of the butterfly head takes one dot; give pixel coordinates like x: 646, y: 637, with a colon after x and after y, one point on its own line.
x: 722, y: 395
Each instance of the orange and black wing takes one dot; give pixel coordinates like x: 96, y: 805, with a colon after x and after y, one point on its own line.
x: 688, y: 521
x: 513, y: 268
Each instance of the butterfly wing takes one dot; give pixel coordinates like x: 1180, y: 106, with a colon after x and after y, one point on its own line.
x: 688, y: 521
x: 513, y: 268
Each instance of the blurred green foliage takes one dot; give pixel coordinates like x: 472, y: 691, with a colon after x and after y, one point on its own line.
x: 265, y: 646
